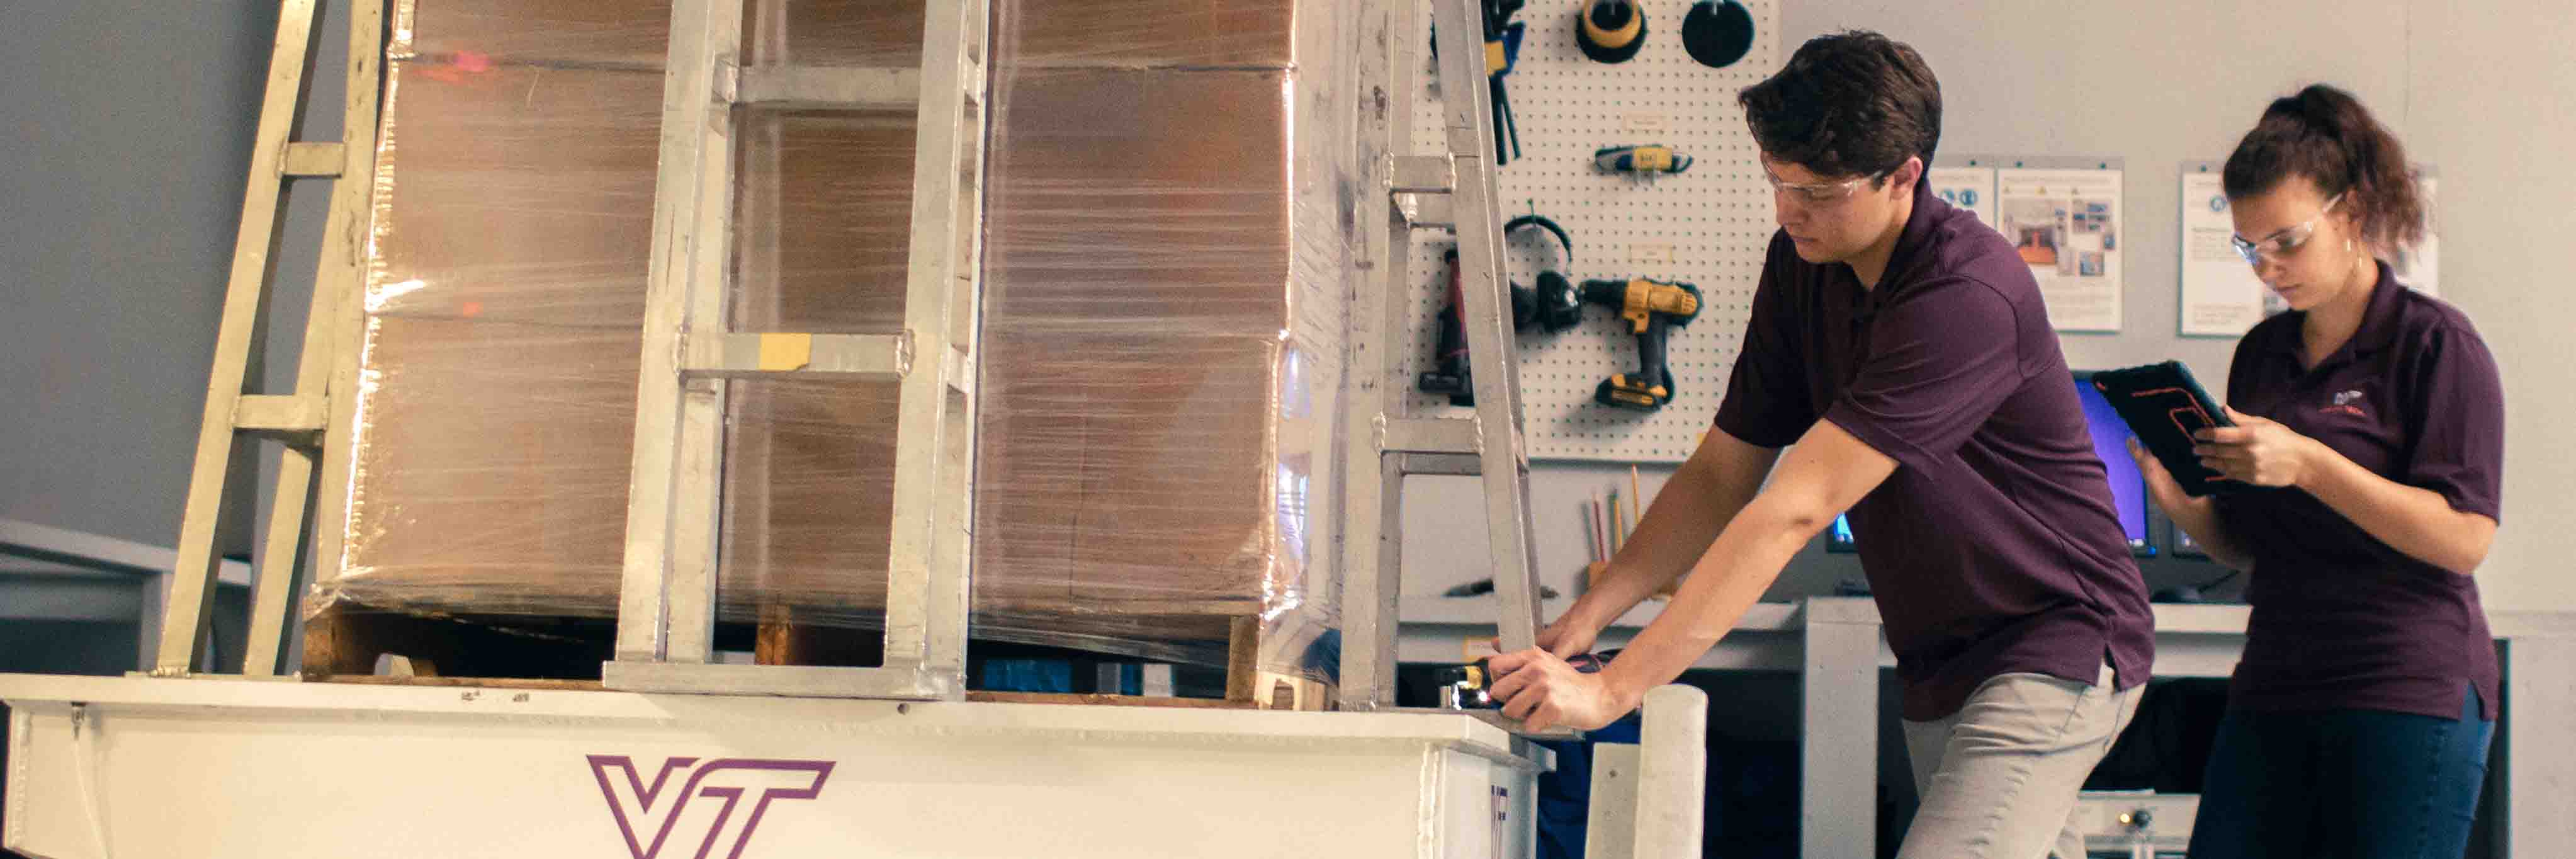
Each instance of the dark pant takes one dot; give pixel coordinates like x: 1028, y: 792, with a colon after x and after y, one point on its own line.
x: 2348, y: 784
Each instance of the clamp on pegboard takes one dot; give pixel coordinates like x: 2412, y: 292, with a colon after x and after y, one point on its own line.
x: 1645, y: 161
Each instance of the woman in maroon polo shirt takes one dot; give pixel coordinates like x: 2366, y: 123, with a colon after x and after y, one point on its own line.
x: 2371, y: 435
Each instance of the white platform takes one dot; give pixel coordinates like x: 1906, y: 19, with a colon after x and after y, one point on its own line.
x: 132, y: 767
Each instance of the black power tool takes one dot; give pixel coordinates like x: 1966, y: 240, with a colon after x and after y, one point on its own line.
x: 1470, y: 686
x: 1551, y: 306
x: 1651, y: 307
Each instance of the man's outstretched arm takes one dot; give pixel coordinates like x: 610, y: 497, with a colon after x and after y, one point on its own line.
x: 1827, y: 472
x: 1701, y: 498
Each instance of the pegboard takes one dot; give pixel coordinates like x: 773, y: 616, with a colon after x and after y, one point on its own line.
x: 1707, y: 226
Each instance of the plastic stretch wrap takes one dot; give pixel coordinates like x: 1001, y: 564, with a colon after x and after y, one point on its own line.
x: 634, y: 34
x: 1170, y: 218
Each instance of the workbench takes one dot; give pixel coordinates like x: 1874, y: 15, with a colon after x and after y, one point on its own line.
x: 1836, y: 644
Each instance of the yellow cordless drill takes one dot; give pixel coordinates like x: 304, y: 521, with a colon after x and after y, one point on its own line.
x: 1650, y: 307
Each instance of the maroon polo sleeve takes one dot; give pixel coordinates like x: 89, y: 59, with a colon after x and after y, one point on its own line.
x: 1766, y: 401
x: 2458, y: 422
x: 1942, y: 357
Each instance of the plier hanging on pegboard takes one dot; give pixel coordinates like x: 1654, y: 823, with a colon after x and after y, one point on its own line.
x: 1502, y: 52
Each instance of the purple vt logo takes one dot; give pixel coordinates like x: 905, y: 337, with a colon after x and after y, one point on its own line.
x: 650, y: 818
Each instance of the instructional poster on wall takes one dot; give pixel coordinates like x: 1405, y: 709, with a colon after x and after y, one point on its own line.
x: 2065, y: 222
x: 2221, y: 297
x: 1969, y: 185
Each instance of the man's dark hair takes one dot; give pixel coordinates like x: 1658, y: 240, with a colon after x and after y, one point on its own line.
x: 1849, y: 104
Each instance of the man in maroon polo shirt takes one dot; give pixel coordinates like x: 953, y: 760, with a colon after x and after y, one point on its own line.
x: 1899, y: 350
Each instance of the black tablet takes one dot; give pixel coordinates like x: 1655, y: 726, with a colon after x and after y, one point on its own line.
x: 2165, y: 406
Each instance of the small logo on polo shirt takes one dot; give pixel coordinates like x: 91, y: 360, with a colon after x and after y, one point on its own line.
x: 2347, y: 403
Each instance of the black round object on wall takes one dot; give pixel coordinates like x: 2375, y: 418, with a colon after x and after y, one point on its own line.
x: 1610, y: 31
x: 1718, y: 33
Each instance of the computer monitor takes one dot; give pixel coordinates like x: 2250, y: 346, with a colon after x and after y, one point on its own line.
x: 2128, y: 486
x: 2111, y: 442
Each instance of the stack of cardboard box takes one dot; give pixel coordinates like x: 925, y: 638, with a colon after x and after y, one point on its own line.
x: 1170, y: 222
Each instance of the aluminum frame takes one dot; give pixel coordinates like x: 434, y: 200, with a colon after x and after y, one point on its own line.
x: 1454, y: 191
x: 322, y: 405
x: 668, y: 600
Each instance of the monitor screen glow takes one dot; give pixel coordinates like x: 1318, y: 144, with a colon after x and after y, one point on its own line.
x: 2110, y: 442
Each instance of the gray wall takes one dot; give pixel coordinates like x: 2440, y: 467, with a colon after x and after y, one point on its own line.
x: 2481, y: 90
x: 120, y: 187
x: 2486, y: 96
x: 120, y: 195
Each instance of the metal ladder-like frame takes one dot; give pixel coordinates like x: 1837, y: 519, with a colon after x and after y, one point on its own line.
x: 1455, y: 191
x: 667, y: 605
x: 322, y: 404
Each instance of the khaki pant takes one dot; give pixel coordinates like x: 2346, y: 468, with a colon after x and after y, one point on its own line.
x: 1999, y: 778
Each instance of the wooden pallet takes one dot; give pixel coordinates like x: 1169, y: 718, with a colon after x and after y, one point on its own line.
x: 347, y: 643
